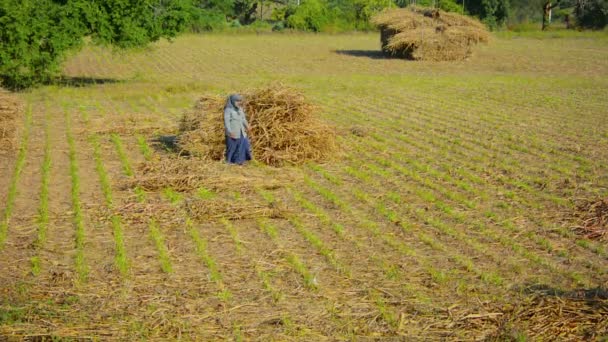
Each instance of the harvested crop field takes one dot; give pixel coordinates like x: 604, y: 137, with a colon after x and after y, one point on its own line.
x: 465, y: 200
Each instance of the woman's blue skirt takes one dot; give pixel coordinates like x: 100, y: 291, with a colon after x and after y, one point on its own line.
x: 237, y: 150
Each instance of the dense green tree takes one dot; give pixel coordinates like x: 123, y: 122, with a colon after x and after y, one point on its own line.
x: 493, y: 13
x: 526, y: 10
x: 314, y: 15
x: 592, y: 14
x: 36, y: 35
x: 310, y: 15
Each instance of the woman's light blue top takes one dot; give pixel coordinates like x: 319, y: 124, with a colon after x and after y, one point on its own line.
x: 235, y: 121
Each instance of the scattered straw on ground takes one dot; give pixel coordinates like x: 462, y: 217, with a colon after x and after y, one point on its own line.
x: 593, y: 219
x: 218, y: 182
x: 428, y: 34
x: 9, y: 110
x: 284, y: 128
x: 554, y: 317
x: 220, y: 208
x: 183, y: 175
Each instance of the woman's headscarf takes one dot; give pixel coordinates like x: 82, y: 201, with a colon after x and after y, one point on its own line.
x: 231, y: 102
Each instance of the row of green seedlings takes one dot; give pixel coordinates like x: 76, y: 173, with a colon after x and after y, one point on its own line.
x: 315, y: 241
x: 81, y: 267
x: 430, y: 126
x: 405, y: 127
x: 390, y: 269
x: 18, y: 170
x: 470, y: 126
x: 444, y: 207
x: 200, y: 243
x: 480, y: 196
x: 121, y: 259
x: 174, y: 197
x: 448, y: 214
x: 292, y: 259
x: 496, y: 121
x: 390, y: 239
x: 416, y: 167
x: 474, y: 179
x: 425, y: 134
x: 477, y: 180
x: 156, y: 234
x: 438, y: 275
x: 43, y: 210
x: 202, y: 251
x: 264, y: 276
x: 127, y: 169
x: 538, y: 152
x: 504, y: 111
x: 528, y: 110
x: 382, y: 207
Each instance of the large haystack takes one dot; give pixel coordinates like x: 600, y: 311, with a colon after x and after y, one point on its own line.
x: 9, y: 110
x: 284, y: 128
x: 428, y: 34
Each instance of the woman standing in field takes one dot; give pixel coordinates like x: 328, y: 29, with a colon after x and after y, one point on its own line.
x: 238, y: 149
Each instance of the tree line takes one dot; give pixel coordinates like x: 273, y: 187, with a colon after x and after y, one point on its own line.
x: 36, y: 35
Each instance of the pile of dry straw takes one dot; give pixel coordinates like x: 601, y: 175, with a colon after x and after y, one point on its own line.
x: 428, y: 34
x: 9, y: 110
x: 284, y: 129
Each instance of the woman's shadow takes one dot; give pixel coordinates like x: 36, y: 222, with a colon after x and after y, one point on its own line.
x: 166, y: 143
x: 373, y: 54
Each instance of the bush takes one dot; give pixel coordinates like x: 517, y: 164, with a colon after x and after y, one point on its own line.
x: 207, y: 20
x: 33, y: 41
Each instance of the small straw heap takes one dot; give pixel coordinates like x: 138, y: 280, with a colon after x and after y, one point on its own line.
x: 428, y: 34
x: 284, y: 129
x: 9, y: 110
x: 593, y: 220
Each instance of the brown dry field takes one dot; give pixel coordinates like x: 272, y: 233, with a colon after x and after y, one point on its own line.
x: 451, y: 214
